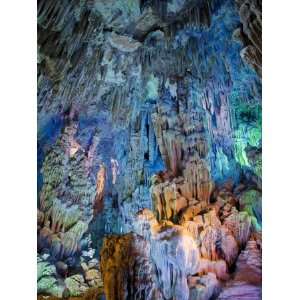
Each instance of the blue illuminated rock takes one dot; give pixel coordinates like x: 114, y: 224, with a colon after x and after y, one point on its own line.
x: 149, y: 147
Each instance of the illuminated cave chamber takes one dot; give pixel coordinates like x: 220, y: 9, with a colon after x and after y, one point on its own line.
x: 149, y: 149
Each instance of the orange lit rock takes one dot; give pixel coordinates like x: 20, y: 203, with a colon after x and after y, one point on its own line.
x: 93, y: 278
x: 218, y: 243
x: 208, y: 219
x: 126, y: 268
x: 101, y: 176
x: 198, y: 180
x: 192, y: 211
x: 185, y: 197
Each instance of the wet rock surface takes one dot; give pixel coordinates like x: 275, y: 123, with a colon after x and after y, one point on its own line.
x: 149, y: 149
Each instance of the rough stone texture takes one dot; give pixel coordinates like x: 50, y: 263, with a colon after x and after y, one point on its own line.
x: 218, y: 243
x: 176, y: 256
x: 93, y: 278
x: 241, y: 291
x: 66, y: 201
x: 239, y: 223
x: 250, y: 34
x: 127, y: 269
x: 250, y: 201
x: 149, y: 143
x: 117, y: 14
x: 249, y: 263
x: 203, y: 288
x: 47, y: 278
x: 75, y: 284
x: 123, y: 43
x: 246, y: 283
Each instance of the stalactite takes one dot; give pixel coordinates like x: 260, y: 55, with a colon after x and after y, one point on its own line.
x: 164, y: 115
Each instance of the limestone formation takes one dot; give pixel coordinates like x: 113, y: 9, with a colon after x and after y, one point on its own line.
x: 246, y: 283
x: 127, y: 269
x: 175, y: 255
x: 251, y: 19
x: 149, y: 149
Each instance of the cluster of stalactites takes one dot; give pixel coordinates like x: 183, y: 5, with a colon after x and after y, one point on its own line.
x: 250, y: 32
x: 172, y: 198
x: 197, y: 12
x: 66, y: 31
x: 182, y: 143
x: 161, y: 60
x: 68, y: 194
x: 53, y: 14
x: 195, y: 18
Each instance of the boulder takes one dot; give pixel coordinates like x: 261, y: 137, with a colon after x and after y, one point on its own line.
x: 76, y: 285
x: 47, y: 279
x: 93, y: 278
x: 218, y: 243
x: 203, y: 287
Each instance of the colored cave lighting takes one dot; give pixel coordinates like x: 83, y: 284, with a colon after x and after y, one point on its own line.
x: 149, y: 150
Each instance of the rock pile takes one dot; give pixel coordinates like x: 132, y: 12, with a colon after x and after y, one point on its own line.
x: 193, y: 259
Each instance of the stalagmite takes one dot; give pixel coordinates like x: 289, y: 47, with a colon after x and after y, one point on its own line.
x: 149, y: 149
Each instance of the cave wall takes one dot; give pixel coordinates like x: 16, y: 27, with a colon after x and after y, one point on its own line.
x: 152, y: 107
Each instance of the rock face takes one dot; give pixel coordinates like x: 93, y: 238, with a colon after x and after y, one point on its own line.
x: 127, y: 269
x: 175, y: 254
x: 246, y: 283
x: 149, y: 149
x: 250, y: 34
x: 66, y: 198
x: 47, y: 278
x: 190, y: 260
